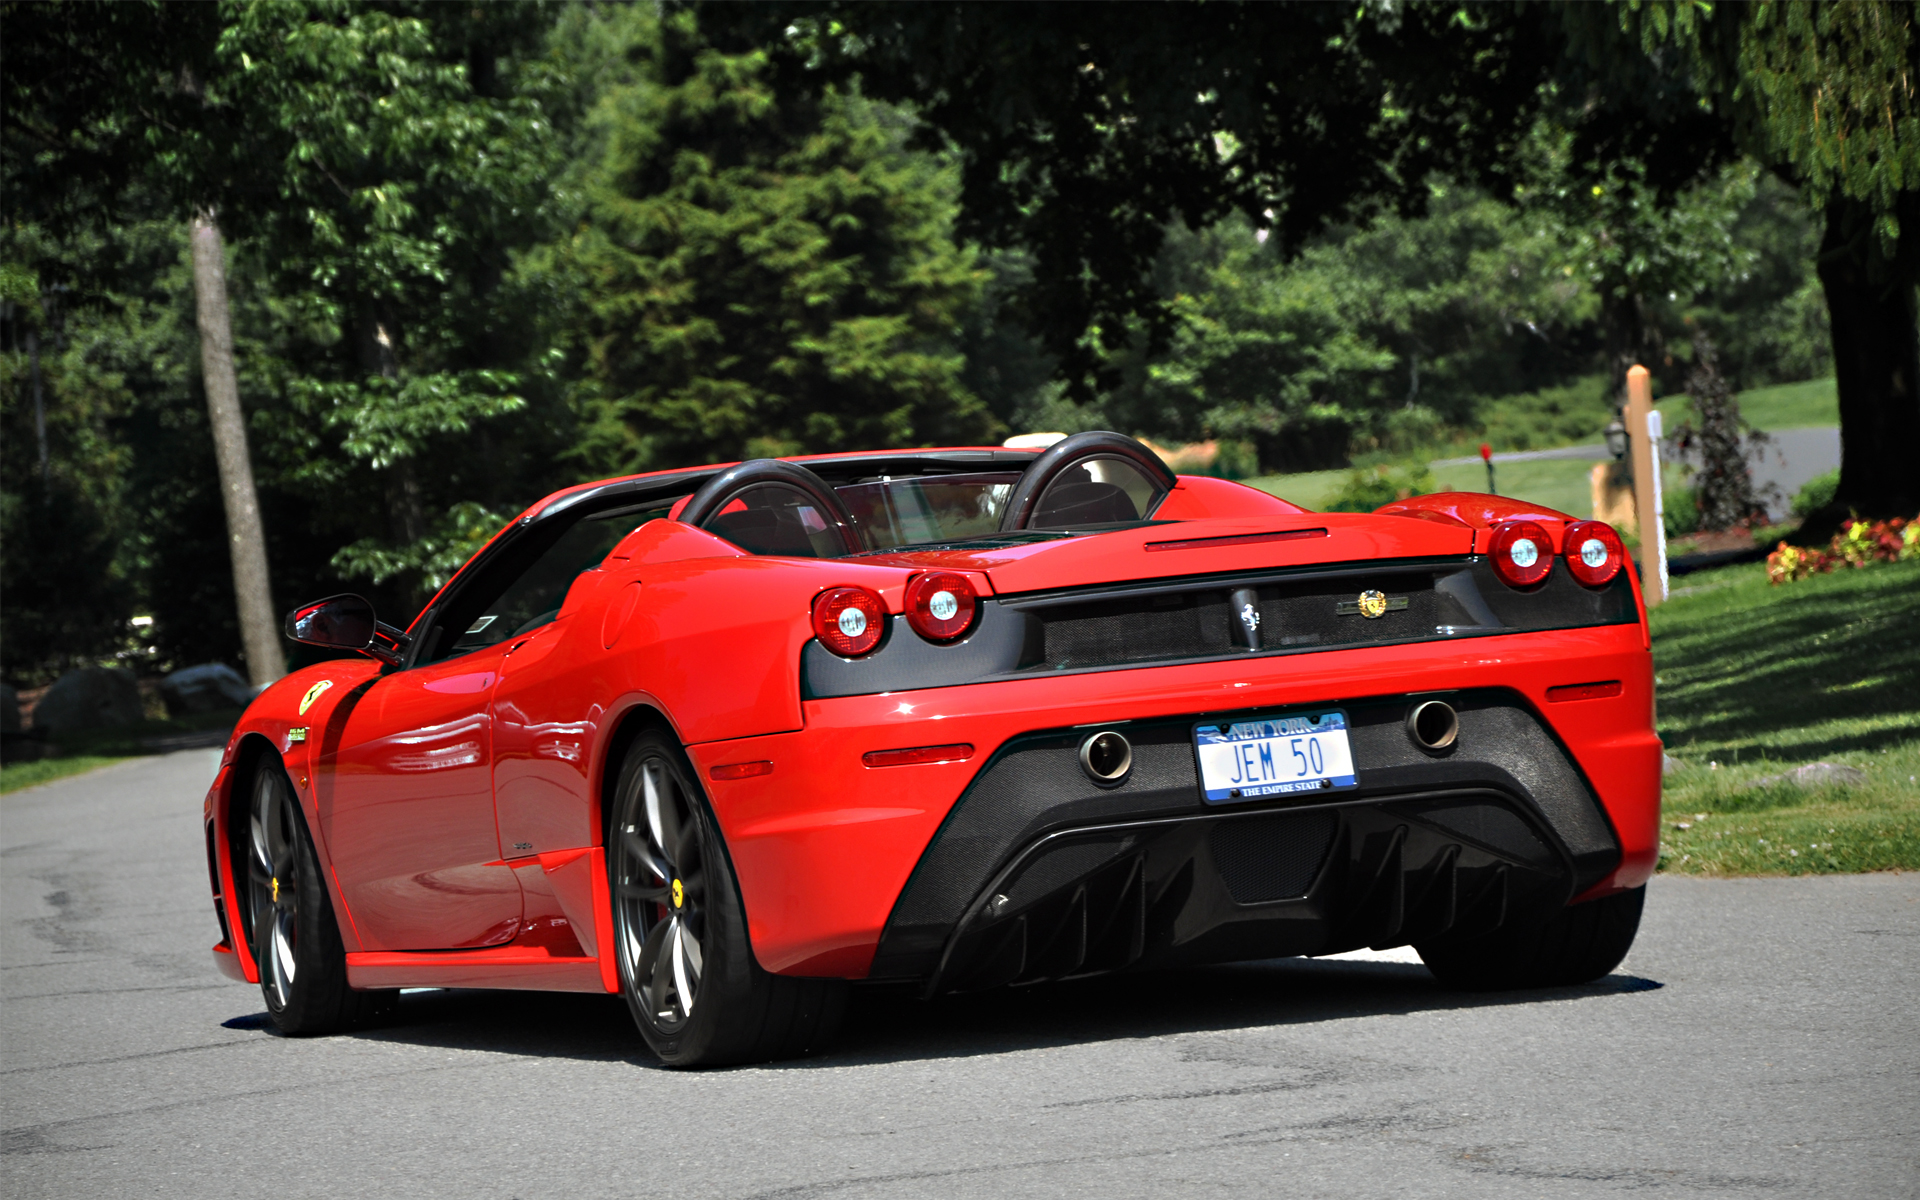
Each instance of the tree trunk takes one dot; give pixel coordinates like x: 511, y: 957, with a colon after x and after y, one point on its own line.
x: 246, y: 538
x: 1871, y: 307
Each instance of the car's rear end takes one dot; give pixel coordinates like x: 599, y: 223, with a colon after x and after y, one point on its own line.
x: 1218, y: 738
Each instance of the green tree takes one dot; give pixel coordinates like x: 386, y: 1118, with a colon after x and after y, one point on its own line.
x: 762, y: 277
x: 1822, y: 94
x: 405, y: 155
x: 1369, y: 338
x: 1086, y: 131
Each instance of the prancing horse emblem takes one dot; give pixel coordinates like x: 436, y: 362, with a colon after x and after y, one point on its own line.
x: 1249, y: 617
x: 1373, y: 604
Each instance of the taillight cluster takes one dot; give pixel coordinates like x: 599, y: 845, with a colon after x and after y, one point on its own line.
x: 1523, y: 553
x: 849, y: 620
x: 941, y: 606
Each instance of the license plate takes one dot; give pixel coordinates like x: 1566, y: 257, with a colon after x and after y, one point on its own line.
x: 1274, y: 756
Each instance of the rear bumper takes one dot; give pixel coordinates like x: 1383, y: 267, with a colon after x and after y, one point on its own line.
x: 853, y: 871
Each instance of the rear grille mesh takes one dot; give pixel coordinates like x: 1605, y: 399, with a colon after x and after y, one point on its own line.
x: 1271, y: 858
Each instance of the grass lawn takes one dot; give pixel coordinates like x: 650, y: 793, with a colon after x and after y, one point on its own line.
x: 1785, y: 406
x: 15, y: 776
x: 86, y: 752
x: 1309, y: 489
x: 1754, y: 680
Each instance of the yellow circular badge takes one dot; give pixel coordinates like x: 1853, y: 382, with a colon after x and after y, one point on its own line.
x: 1372, y: 603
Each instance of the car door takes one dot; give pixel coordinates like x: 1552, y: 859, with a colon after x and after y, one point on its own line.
x: 405, y: 770
x: 405, y: 791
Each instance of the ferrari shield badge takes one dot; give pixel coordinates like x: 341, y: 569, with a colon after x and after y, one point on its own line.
x: 314, y: 693
x: 1372, y: 604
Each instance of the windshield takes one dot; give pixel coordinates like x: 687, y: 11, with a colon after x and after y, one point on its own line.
x: 933, y: 508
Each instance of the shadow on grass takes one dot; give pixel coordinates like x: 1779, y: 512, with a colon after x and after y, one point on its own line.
x: 890, y: 1024
x: 1820, y: 667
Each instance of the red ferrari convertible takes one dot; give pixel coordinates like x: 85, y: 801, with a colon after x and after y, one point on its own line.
x: 722, y: 740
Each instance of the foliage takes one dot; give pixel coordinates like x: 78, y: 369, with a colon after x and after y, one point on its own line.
x: 1723, y: 491
x: 1680, y: 512
x: 1371, y: 338
x: 479, y: 252
x: 1368, y: 488
x: 763, y: 279
x: 1858, y: 544
x: 1816, y: 493
x: 1295, y: 117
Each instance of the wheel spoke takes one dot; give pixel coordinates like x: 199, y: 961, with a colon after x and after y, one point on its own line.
x: 656, y: 816
x: 283, y: 946
x: 261, y: 854
x: 638, y: 847
x: 680, y: 982
x: 660, y: 978
x: 638, y: 891
x: 649, y: 959
x: 690, y: 946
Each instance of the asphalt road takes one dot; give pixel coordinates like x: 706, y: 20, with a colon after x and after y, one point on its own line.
x: 1763, y: 1039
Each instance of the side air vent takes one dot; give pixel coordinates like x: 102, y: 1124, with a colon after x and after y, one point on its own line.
x: 213, y: 872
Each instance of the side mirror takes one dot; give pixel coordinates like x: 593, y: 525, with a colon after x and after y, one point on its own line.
x: 346, y: 623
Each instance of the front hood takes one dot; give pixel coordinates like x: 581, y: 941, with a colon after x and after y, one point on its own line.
x: 1203, y: 547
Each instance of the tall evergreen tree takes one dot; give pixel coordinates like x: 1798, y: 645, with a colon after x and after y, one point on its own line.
x: 762, y: 277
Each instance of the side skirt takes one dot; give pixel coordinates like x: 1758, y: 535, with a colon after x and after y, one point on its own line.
x: 515, y: 968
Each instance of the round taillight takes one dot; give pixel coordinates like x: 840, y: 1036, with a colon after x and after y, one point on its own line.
x: 1522, y: 553
x: 849, y: 620
x: 940, y: 605
x: 1594, y: 552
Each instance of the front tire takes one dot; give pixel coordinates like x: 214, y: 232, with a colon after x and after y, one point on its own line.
x: 290, y: 926
x: 1580, y: 944
x: 680, y: 930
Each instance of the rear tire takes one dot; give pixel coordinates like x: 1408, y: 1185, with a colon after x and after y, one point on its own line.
x: 680, y: 930
x: 290, y: 927
x: 1580, y: 944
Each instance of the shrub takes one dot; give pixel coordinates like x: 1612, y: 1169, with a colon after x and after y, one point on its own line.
x: 1682, y: 514
x: 1816, y: 493
x: 1367, y: 488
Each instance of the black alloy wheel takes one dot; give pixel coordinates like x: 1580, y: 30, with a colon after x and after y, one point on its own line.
x: 680, y: 930
x: 289, y: 918
x: 273, y: 883
x: 660, y: 896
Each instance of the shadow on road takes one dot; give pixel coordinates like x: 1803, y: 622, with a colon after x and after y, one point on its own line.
x: 887, y: 1024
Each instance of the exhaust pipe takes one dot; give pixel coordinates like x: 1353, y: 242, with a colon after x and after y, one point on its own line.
x: 1106, y: 757
x: 1433, y: 726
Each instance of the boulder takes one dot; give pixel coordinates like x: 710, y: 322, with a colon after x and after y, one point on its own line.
x: 87, y: 699
x: 205, y: 688
x: 1820, y: 774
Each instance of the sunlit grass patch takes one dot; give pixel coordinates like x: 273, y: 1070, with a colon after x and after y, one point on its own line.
x: 1721, y: 819
x: 74, y: 754
x: 15, y: 776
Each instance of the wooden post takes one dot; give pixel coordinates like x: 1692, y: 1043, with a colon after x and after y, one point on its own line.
x: 1643, y: 440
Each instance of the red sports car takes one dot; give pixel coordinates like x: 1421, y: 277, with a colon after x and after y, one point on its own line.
x: 724, y: 739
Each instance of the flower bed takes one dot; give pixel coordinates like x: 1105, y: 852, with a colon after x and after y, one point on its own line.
x: 1860, y: 543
